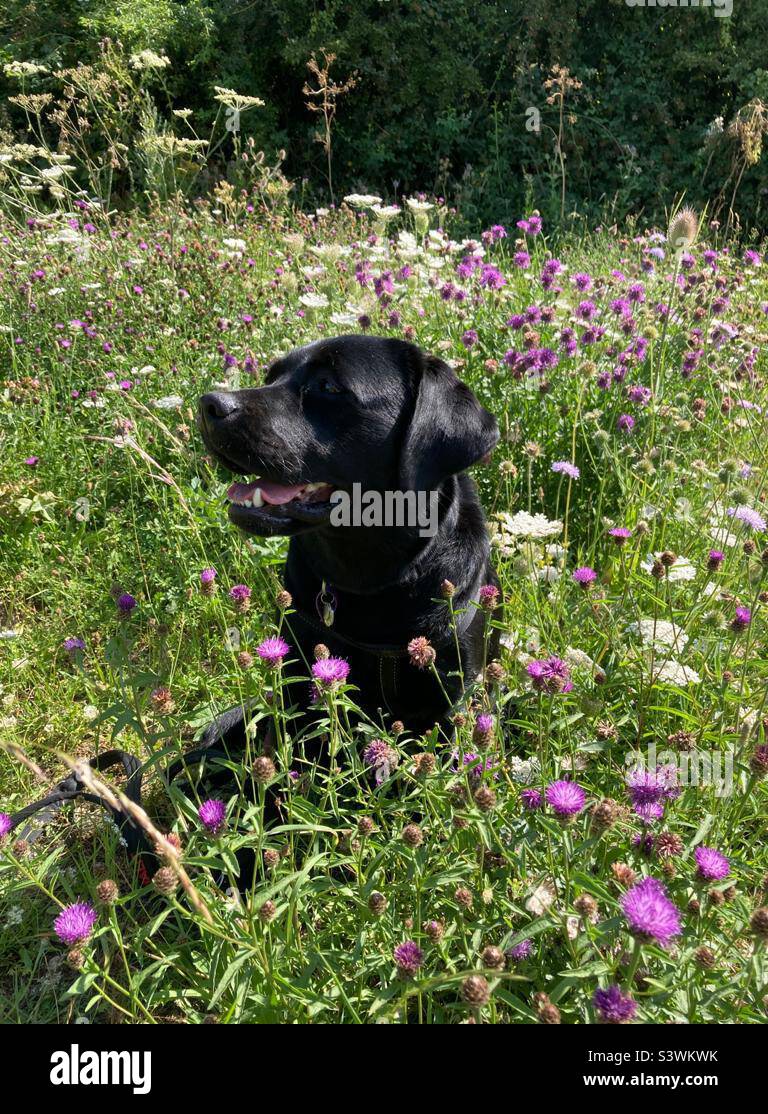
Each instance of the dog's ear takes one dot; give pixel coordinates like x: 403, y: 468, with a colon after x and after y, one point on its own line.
x: 449, y: 429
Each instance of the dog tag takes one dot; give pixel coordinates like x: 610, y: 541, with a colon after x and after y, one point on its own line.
x: 327, y: 614
x: 326, y: 606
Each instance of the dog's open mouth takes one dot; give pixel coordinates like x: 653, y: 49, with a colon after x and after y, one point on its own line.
x: 268, y: 502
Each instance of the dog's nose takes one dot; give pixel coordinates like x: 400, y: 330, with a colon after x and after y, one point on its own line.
x: 217, y: 405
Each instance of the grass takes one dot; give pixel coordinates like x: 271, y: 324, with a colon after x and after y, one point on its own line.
x: 110, y: 333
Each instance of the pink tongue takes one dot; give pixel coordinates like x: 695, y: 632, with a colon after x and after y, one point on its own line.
x: 278, y: 493
x: 273, y: 493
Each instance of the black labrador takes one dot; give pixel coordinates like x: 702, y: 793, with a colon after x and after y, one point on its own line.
x: 378, y: 413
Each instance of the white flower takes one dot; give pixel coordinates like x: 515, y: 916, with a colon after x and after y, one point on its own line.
x: 148, y: 60
x: 417, y: 206
x: 676, y: 674
x: 524, y: 770
x: 385, y: 212
x: 532, y: 526
x: 362, y: 200
x: 234, y: 244
x: 169, y: 402
x: 577, y: 659
x: 9, y: 635
x: 314, y: 301
x: 23, y: 69
x: 681, y: 570
x: 658, y: 631
x: 90, y: 712
x: 344, y: 319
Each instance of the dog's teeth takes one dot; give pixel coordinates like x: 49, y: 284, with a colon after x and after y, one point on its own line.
x: 258, y: 500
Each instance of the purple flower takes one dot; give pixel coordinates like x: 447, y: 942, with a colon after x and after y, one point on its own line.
x: 483, y: 728
x: 748, y: 516
x: 330, y: 671
x: 620, y: 534
x: 585, y: 576
x: 408, y: 956
x: 712, y: 865
x: 566, y: 797
x: 582, y: 281
x: 469, y: 338
x: 550, y: 675
x: 125, y: 604
x: 73, y: 645
x: 522, y: 260
x: 75, y: 922
x: 566, y: 468
x: 715, y: 559
x: 32, y: 461
x: 626, y: 423
x: 273, y: 650
x: 207, y: 576
x: 531, y: 799
x: 488, y: 596
x: 649, y: 912
x: 614, y: 1006
x: 381, y: 758
x: 239, y: 593
x: 5, y: 824
x: 474, y: 765
x: 212, y: 815
x: 520, y: 951
x: 741, y: 619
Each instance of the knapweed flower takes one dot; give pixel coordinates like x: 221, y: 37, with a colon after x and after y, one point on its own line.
x: 620, y: 534
x: 651, y: 789
x: 550, y: 675
x: 567, y: 469
x: 273, y: 650
x: 715, y: 559
x: 483, y: 729
x: 73, y: 646
x: 613, y: 1006
x: 489, y: 597
x: 408, y: 956
x: 212, y: 815
x: 125, y: 604
x: 626, y: 423
x: 74, y: 923
x: 5, y: 824
x: 421, y: 652
x: 711, y: 865
x: 519, y: 951
x: 329, y: 672
x: 649, y: 912
x: 531, y: 799
x: 32, y: 461
x: 240, y: 594
x: 474, y: 765
x: 382, y: 758
x: 208, y: 581
x: 741, y: 619
x: 584, y: 576
x: 566, y: 798
x: 469, y: 338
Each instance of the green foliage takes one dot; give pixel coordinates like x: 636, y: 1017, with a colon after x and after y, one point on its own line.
x: 444, y: 87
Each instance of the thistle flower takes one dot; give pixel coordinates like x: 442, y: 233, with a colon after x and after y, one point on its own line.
x: 626, y: 423
x: 409, y: 957
x: 620, y: 535
x: 483, y: 730
x: 5, y: 824
x: 531, y: 799
x: 208, y: 581
x: 74, y: 923
x: 489, y: 597
x: 273, y: 650
x: 711, y: 864
x: 566, y: 798
x: 683, y: 229
x: 212, y: 815
x: 649, y: 912
x: 613, y: 1006
x: 741, y: 619
x: 240, y: 594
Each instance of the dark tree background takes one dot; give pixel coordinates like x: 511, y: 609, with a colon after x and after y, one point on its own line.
x: 670, y: 100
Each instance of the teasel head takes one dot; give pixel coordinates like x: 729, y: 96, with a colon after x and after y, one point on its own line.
x: 683, y: 230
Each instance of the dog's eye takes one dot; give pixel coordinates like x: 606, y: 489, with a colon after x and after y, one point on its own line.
x: 327, y: 386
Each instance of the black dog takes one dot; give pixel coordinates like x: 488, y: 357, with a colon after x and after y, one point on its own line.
x: 379, y: 413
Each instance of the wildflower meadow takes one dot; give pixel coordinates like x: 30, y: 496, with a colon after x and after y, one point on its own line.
x: 589, y: 847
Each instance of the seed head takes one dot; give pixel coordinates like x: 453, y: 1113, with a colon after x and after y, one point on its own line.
x: 267, y: 912
x: 107, y: 892
x: 485, y: 798
x: 412, y: 835
x: 759, y: 922
x: 264, y: 769
x: 493, y: 958
x: 377, y: 903
x: 463, y: 897
x: 475, y: 991
x: 165, y: 880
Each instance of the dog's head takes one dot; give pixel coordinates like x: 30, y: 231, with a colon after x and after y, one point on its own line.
x: 352, y: 409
